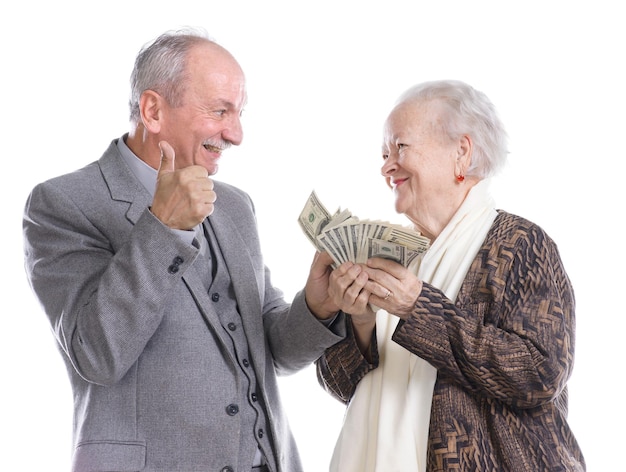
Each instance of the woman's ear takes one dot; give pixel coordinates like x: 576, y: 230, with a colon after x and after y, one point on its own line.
x: 464, y: 154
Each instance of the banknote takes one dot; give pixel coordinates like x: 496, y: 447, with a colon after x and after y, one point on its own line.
x: 347, y: 238
x: 313, y: 218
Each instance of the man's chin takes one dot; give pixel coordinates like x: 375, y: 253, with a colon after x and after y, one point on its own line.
x: 211, y: 166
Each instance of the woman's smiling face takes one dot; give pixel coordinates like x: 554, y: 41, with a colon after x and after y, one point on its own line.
x: 419, y: 161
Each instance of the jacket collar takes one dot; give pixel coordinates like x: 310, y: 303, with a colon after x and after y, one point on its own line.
x: 122, y: 183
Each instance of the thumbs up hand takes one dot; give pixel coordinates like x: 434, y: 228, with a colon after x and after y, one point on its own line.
x: 183, y: 198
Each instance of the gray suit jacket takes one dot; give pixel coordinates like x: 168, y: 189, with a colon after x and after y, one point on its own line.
x: 144, y: 348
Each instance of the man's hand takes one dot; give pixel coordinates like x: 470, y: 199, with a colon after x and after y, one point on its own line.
x: 316, y: 289
x: 183, y: 198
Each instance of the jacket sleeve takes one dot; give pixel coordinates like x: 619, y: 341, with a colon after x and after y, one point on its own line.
x: 510, y: 336
x: 104, y: 295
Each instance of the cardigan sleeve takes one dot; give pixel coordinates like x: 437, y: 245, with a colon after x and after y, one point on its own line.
x: 510, y: 334
x: 343, y: 366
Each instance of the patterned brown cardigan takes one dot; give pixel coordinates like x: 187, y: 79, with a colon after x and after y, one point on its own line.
x: 503, y: 353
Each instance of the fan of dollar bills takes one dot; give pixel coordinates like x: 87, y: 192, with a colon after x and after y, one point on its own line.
x: 346, y: 238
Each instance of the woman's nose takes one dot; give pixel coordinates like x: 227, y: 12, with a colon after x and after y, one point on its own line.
x: 389, y: 166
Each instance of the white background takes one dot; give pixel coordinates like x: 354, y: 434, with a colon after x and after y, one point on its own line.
x: 322, y: 76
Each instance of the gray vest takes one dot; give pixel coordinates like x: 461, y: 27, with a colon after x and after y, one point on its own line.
x: 247, y: 401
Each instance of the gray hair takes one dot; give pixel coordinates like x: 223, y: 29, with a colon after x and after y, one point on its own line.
x: 160, y: 66
x: 467, y: 111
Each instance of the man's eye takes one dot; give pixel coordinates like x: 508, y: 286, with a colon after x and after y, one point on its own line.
x: 385, y: 156
x: 401, y: 145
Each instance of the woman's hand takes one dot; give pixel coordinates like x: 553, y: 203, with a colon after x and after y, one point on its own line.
x: 392, y: 287
x: 347, y: 290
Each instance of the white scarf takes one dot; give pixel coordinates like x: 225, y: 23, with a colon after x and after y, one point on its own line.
x: 385, y: 427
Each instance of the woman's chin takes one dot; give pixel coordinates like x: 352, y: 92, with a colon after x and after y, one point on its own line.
x: 401, y: 205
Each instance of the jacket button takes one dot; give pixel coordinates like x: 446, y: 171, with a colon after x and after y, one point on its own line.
x: 176, y: 262
x: 232, y: 409
x: 246, y: 363
x: 215, y: 297
x: 227, y: 469
x: 254, y: 397
x: 232, y: 326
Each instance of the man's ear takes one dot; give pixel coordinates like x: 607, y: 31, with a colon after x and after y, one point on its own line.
x: 151, y: 110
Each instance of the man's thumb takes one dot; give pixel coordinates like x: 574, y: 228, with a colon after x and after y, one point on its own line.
x: 167, y: 157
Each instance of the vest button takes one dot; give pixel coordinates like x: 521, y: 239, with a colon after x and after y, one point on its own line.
x: 215, y: 297
x: 232, y: 326
x: 232, y: 409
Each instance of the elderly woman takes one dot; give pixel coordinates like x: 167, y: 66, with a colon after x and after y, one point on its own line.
x: 460, y: 361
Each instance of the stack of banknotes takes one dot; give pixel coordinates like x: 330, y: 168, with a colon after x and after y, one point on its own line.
x: 346, y: 238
